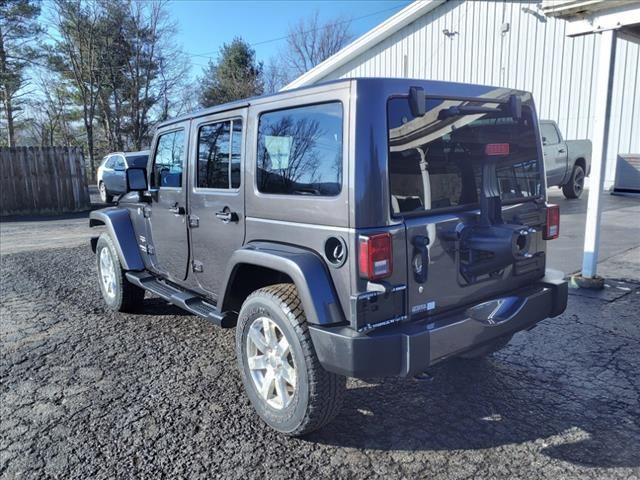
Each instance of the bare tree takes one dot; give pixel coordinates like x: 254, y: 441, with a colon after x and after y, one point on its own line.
x: 80, y: 49
x: 310, y: 42
x: 274, y: 76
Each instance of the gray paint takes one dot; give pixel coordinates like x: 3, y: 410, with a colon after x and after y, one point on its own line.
x: 288, y: 233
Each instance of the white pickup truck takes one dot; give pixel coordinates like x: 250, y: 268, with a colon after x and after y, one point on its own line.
x: 567, y: 162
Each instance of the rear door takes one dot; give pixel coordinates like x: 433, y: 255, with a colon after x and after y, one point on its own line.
x: 166, y: 216
x: 216, y: 211
x: 439, y: 167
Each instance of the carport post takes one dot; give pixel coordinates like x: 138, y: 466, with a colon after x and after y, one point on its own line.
x: 604, y: 86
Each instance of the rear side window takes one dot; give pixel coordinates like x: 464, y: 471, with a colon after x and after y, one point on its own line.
x: 219, y: 149
x: 168, y: 160
x: 300, y: 151
x: 436, y: 161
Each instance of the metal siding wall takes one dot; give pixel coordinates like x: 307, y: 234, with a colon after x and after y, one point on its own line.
x: 624, y: 130
x: 534, y: 55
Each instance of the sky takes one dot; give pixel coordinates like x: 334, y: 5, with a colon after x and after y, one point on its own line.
x: 204, y: 25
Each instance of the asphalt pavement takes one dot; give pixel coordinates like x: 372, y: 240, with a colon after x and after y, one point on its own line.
x: 87, y: 393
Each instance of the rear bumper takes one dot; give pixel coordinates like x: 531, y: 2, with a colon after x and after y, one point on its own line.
x: 409, y: 349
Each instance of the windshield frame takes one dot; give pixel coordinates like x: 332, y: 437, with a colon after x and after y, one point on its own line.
x: 527, y: 106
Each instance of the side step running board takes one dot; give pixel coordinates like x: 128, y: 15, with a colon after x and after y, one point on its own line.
x: 182, y: 298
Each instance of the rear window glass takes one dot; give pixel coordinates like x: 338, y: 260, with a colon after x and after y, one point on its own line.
x: 219, y: 146
x: 436, y: 160
x: 300, y: 151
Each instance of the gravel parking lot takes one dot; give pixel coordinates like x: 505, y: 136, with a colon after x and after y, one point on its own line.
x: 87, y: 393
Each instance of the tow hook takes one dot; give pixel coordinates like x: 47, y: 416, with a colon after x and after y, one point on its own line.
x: 423, y: 377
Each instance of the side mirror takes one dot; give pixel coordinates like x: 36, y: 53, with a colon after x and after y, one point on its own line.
x: 136, y: 179
x: 417, y: 101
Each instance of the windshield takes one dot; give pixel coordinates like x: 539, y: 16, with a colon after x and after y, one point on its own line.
x: 436, y: 160
x: 138, y: 161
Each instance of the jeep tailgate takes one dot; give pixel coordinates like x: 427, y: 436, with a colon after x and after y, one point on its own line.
x: 466, y: 178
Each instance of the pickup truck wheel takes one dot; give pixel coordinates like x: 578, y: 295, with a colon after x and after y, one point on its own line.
x: 575, y: 186
x: 104, y: 194
x: 118, y: 293
x: 487, y: 349
x: 280, y: 371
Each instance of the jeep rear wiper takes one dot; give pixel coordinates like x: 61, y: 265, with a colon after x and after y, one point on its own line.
x: 458, y: 111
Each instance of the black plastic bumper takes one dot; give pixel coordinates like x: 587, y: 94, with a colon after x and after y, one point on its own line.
x: 410, y: 348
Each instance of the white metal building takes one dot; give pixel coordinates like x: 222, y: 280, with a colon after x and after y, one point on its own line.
x: 517, y: 44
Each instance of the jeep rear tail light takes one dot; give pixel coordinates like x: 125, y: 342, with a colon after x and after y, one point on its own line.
x: 552, y: 230
x: 375, y: 258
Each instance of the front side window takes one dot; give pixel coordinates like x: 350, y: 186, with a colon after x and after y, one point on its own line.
x: 219, y: 149
x: 168, y: 160
x: 119, y: 165
x: 549, y: 134
x: 300, y: 151
x: 436, y: 161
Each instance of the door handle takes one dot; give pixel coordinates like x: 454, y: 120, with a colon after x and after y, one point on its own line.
x: 562, y: 150
x: 176, y: 210
x: 227, y: 216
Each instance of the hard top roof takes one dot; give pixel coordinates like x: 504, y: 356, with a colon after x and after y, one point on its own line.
x: 433, y: 87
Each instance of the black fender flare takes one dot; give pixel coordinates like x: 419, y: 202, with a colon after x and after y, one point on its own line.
x: 118, y: 224
x: 306, y: 269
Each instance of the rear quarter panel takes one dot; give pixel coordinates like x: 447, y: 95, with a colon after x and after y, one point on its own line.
x: 303, y: 221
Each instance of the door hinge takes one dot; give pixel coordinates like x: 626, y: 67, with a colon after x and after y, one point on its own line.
x: 150, y: 249
x: 197, y: 266
x: 194, y: 222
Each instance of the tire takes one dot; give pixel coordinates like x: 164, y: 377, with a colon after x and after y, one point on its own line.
x: 105, y: 197
x: 118, y: 293
x: 487, y: 349
x: 315, y: 397
x: 575, y: 186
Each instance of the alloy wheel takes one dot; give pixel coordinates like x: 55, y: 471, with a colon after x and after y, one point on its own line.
x: 107, y: 273
x: 270, y: 362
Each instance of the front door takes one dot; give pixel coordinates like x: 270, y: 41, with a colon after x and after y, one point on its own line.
x: 167, y: 219
x: 216, y: 204
x: 555, y: 154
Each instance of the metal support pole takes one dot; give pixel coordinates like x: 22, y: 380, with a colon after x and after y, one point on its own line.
x: 604, y: 86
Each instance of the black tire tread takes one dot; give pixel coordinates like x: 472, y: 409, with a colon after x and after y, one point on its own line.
x: 326, y: 389
x: 567, y: 188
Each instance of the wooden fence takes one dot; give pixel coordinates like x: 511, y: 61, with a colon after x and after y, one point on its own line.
x: 47, y: 180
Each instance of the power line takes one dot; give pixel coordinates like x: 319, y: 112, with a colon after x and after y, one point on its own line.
x: 277, y: 39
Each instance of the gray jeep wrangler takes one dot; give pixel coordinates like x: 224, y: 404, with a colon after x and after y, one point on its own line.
x: 358, y: 228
